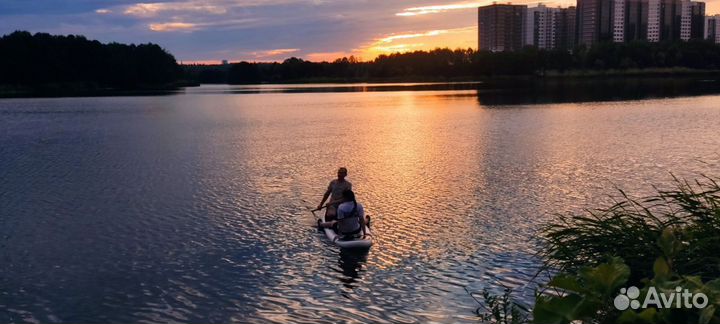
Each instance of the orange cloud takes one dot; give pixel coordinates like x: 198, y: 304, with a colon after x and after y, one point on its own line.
x: 214, y: 7
x: 191, y: 26
x: 424, y: 10
x: 280, y: 51
x: 172, y: 26
x: 464, y: 37
x: 398, y: 48
x: 414, y: 11
x: 392, y: 38
x: 145, y: 10
x: 273, y: 53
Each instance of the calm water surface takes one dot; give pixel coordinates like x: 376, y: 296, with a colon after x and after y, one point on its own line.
x: 193, y: 207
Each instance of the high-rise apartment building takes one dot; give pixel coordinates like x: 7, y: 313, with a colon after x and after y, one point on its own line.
x: 595, y: 21
x: 619, y: 21
x: 507, y: 27
x: 631, y: 20
x: 685, y: 16
x: 712, y: 28
x: 501, y: 27
x: 540, y: 26
x: 673, y: 20
x: 657, y: 20
x: 653, y: 30
x: 565, y: 28
x: 697, y: 20
x: 550, y: 28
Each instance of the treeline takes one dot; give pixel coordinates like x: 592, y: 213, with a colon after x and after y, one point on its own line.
x: 74, y: 62
x: 39, y: 60
x: 449, y: 64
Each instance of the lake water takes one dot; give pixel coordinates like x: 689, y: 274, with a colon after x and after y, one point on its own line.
x: 193, y: 207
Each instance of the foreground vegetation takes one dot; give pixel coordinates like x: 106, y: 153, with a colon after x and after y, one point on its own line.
x: 664, y: 241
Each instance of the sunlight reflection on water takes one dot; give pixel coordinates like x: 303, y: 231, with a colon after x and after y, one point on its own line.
x: 193, y: 208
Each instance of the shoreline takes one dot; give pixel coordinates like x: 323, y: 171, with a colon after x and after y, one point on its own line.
x: 581, y: 76
x: 60, y: 90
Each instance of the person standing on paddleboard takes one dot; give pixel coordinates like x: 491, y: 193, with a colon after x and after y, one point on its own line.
x: 334, y: 191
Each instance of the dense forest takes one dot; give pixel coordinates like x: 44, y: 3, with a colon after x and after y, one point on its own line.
x: 44, y: 60
x: 446, y: 64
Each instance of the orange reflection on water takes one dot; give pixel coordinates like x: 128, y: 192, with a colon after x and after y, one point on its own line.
x: 455, y: 187
x: 407, y: 147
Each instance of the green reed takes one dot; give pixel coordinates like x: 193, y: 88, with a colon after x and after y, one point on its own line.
x: 630, y: 228
x: 665, y: 240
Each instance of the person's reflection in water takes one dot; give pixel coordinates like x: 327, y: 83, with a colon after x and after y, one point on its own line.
x: 351, y: 264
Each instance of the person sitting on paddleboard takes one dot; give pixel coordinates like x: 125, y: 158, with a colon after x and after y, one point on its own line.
x: 350, y: 217
x: 334, y: 191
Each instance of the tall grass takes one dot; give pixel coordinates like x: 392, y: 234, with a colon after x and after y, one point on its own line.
x: 666, y: 240
x: 630, y: 229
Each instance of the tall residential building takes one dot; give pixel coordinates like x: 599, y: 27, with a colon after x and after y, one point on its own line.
x: 595, y: 21
x: 550, y: 28
x: 529, y: 26
x: 565, y: 25
x: 657, y: 20
x: 532, y: 20
x: 619, y: 21
x: 653, y: 30
x: 501, y: 27
x: 540, y: 27
x: 712, y: 28
x: 685, y: 16
x: 592, y: 21
x: 631, y: 20
x: 668, y: 20
x: 697, y: 20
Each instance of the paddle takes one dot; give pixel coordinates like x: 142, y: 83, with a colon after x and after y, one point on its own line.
x: 317, y: 209
x: 320, y: 219
x: 323, y: 207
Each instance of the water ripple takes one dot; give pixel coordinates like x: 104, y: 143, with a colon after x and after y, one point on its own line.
x: 194, y: 208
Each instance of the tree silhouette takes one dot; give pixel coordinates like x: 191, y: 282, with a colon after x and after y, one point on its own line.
x: 43, y: 59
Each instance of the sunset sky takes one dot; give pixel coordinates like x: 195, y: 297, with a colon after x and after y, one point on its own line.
x: 261, y: 30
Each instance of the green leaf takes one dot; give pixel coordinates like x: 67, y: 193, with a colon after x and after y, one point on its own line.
x: 607, y: 278
x: 713, y: 285
x: 661, y: 268
x: 566, y: 282
x: 631, y: 317
x: 694, y: 281
x: 706, y: 315
x: 556, y: 310
x: 668, y: 243
x: 628, y: 317
x: 648, y: 314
